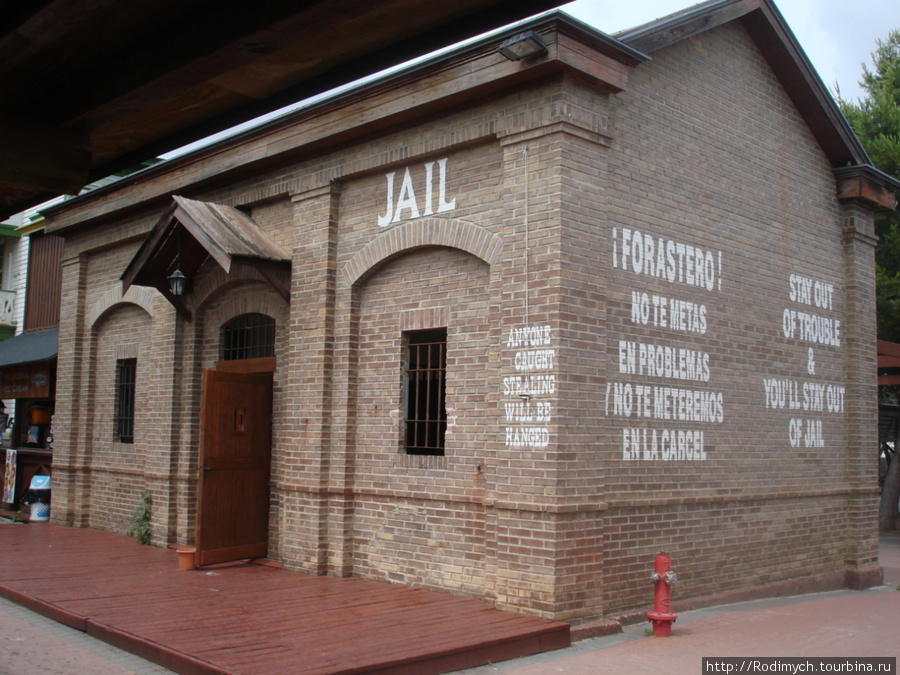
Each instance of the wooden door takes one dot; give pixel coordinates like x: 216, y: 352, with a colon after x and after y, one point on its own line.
x: 235, y: 451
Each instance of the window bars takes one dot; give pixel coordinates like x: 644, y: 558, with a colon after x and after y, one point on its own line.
x: 126, y: 371
x: 250, y: 336
x: 426, y: 414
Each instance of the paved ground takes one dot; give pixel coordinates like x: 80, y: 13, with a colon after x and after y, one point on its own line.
x: 33, y: 645
x: 840, y: 623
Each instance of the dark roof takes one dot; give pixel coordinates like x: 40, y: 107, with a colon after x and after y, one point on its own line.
x: 31, y: 346
x: 90, y: 87
x: 500, y: 76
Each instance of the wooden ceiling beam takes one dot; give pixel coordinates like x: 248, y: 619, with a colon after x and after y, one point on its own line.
x: 41, y: 157
x: 143, y: 78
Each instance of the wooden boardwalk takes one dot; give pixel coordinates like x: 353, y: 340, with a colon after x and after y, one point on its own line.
x: 250, y: 619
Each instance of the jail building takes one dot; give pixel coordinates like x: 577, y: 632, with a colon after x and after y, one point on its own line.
x: 506, y: 322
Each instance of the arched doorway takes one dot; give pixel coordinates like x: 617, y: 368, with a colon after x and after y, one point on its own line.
x: 236, y: 443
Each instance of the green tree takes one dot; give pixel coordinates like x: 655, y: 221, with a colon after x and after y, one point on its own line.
x: 876, y: 121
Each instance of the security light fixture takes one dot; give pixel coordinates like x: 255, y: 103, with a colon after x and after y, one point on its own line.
x: 523, y: 46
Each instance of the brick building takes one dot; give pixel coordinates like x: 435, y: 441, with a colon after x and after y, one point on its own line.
x: 502, y: 327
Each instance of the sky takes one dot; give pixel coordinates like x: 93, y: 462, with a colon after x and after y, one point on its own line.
x: 838, y: 36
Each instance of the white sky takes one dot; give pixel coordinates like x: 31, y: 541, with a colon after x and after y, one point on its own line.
x: 838, y: 36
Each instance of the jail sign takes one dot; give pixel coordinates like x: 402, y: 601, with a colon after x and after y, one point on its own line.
x: 419, y: 193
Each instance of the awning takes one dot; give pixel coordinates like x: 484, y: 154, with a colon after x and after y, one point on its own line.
x: 30, y: 347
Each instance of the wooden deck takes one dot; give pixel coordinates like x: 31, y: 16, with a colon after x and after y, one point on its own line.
x: 244, y: 618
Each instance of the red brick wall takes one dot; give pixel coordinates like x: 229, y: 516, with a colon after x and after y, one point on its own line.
x: 119, y: 469
x: 711, y: 153
x: 415, y: 520
x: 539, y: 504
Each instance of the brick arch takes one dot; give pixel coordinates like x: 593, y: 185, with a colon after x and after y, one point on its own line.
x: 216, y: 281
x: 257, y: 298
x: 421, y: 233
x: 234, y: 300
x: 137, y: 295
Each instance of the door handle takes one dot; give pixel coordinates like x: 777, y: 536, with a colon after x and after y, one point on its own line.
x: 207, y: 468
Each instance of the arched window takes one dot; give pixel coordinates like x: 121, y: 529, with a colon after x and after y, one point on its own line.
x: 249, y: 336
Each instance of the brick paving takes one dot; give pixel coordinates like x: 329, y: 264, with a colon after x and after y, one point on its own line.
x: 31, y: 645
x: 838, y: 623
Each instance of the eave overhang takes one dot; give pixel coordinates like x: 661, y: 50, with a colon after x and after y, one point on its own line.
x: 868, y: 186
x: 92, y: 87
x: 454, y: 78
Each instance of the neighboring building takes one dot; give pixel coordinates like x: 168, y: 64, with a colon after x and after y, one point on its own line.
x: 504, y: 328
x: 13, y: 257
x: 28, y: 360
x: 31, y: 275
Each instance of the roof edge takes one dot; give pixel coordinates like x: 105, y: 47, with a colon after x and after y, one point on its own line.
x: 686, y: 23
x: 781, y: 49
x: 551, y: 20
x: 868, y: 185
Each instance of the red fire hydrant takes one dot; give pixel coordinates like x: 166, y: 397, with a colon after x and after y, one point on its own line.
x: 664, y: 579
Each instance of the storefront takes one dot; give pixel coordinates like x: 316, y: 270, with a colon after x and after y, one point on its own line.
x: 502, y: 326
x: 28, y: 377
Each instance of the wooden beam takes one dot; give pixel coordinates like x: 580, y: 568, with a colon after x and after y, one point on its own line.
x: 271, y: 274
x: 41, y: 157
x: 885, y: 361
x: 888, y: 348
x: 866, y: 190
x: 260, y: 365
x: 179, y: 306
x: 147, y: 249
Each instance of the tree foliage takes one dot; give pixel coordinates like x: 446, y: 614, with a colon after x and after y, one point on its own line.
x: 876, y: 120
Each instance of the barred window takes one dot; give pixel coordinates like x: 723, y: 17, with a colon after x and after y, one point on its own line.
x: 126, y: 371
x: 426, y: 414
x: 250, y: 336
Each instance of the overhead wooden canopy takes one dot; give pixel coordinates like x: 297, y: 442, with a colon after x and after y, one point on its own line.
x: 91, y: 87
x: 189, y: 233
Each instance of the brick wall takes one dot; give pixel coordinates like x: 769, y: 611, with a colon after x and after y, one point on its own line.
x: 710, y: 152
x: 523, y: 223
x: 120, y: 470
x: 395, y: 490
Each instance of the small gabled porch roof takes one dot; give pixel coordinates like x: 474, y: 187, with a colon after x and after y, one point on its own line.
x: 192, y: 231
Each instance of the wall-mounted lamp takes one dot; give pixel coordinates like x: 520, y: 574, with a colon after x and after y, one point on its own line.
x: 523, y: 46
x: 177, y: 281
